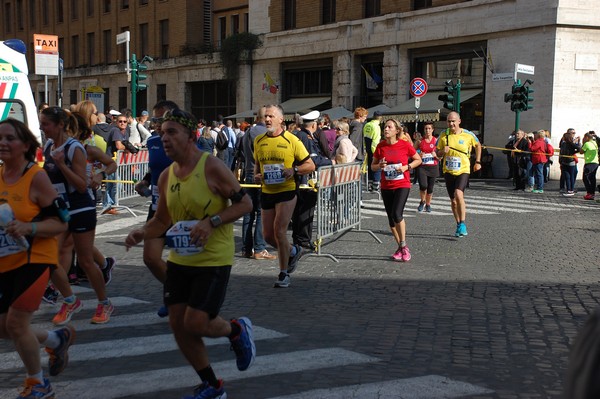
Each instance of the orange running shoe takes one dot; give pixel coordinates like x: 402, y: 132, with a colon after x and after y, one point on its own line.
x: 103, y: 313
x: 66, y: 311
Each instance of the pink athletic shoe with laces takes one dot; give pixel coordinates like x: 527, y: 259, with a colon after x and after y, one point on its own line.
x: 405, y: 254
x: 397, y: 255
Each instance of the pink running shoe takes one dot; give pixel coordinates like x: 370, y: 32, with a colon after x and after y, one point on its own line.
x: 397, y: 255
x: 405, y: 254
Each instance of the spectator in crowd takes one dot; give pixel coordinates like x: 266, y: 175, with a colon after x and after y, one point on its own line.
x: 356, y: 132
x: 343, y: 150
x: 569, y: 147
x: 539, y: 149
x: 521, y: 157
x: 509, y: 155
x: 589, y: 149
x: 372, y: 136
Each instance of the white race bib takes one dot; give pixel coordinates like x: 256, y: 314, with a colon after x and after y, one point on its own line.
x: 273, y: 173
x: 178, y: 238
x: 392, y: 172
x: 428, y: 158
x: 8, y: 245
x: 453, y: 163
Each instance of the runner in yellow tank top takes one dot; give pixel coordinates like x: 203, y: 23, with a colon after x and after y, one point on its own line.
x: 455, y: 147
x: 200, y: 196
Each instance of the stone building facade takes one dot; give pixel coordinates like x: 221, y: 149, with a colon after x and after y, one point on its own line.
x: 324, y: 49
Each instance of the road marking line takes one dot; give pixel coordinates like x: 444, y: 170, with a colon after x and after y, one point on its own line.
x: 121, y: 223
x: 127, y: 320
x: 134, y: 346
x: 152, y: 381
x: 426, y: 387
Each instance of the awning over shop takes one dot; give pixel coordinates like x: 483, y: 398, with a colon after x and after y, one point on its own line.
x: 297, y: 105
x: 430, y: 108
x: 337, y: 113
x: 245, y: 114
x: 381, y: 108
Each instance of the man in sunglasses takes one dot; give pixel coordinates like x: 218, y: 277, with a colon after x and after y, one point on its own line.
x: 114, y: 143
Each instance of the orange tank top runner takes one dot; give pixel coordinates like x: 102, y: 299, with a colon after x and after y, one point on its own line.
x: 42, y: 250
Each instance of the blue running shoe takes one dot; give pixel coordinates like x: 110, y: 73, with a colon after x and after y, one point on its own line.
x: 206, y: 391
x: 163, y: 311
x: 428, y: 208
x: 462, y: 229
x: 457, y: 232
x: 58, y: 358
x: 293, y: 261
x: 34, y: 389
x: 243, y: 344
x: 421, y: 206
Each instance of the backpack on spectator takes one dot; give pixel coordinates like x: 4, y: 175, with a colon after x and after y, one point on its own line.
x: 222, y: 140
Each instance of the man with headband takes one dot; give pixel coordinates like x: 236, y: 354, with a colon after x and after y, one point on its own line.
x: 200, y: 198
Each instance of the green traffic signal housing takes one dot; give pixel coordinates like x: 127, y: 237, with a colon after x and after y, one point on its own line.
x: 141, y: 76
x: 451, y: 100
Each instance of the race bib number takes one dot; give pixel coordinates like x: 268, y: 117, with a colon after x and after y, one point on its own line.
x: 178, y: 238
x: 62, y: 191
x: 453, y: 163
x: 8, y: 245
x: 392, y: 173
x: 155, y: 197
x: 428, y: 159
x: 273, y: 173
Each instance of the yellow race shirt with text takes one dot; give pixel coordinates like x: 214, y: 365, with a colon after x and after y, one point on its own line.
x: 456, y: 161
x: 274, y: 154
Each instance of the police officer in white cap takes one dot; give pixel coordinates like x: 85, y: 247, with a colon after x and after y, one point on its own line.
x: 302, y: 219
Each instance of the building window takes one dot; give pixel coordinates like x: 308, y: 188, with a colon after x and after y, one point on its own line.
x: 289, y: 14
x: 122, y: 97
x: 235, y: 24
x: 61, y: 44
x: 75, y: 50
x: 74, y: 9
x: 107, y: 45
x: 106, y: 98
x: 308, y: 82
x: 20, y: 16
x: 107, y: 4
x: 91, y: 48
x: 420, y: 4
x: 32, y: 14
x: 90, y: 7
x: 45, y: 13
x: 328, y: 11
x: 143, y: 39
x: 372, y: 8
x: 73, y: 96
x: 125, y: 4
x: 207, y: 25
x: 161, y: 92
x: 222, y: 30
x: 246, y: 22
x: 60, y: 17
x: 164, y: 38
x: 143, y: 2
x: 7, y: 19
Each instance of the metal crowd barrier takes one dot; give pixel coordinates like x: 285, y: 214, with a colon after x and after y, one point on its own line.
x: 338, y: 203
x: 131, y: 168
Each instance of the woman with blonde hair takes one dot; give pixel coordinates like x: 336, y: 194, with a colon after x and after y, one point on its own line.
x: 343, y: 149
x: 89, y: 112
x: 395, y: 156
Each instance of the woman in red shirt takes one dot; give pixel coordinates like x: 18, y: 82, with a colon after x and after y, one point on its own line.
x: 429, y: 169
x: 393, y: 157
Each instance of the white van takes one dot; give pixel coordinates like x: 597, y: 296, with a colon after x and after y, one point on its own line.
x: 16, y: 98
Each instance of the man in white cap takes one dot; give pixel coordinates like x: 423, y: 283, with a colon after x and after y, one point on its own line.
x: 304, y: 212
x: 279, y: 157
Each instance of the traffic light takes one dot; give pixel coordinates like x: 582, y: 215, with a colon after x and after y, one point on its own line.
x: 452, y: 99
x: 527, y: 92
x: 141, y: 76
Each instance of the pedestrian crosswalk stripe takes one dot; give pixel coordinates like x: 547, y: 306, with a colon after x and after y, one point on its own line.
x: 91, y: 304
x: 116, y: 321
x: 134, y: 346
x: 121, y: 223
x: 425, y: 387
x: 153, y: 381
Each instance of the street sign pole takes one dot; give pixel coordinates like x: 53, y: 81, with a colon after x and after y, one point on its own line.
x: 418, y: 88
x: 417, y: 106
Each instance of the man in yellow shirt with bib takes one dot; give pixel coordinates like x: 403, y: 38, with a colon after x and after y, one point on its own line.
x: 200, y: 198
x: 455, y: 145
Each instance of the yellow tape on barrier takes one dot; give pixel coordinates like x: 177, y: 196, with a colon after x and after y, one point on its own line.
x: 530, y: 152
